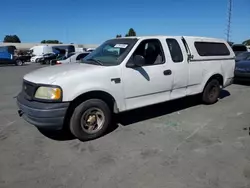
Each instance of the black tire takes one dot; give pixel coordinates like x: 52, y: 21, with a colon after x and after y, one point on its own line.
x: 77, y: 123
x: 46, y: 62
x: 211, y: 92
x: 19, y: 62
x: 37, y: 60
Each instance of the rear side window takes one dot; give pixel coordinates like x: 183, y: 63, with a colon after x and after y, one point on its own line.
x: 211, y: 49
x: 175, y: 50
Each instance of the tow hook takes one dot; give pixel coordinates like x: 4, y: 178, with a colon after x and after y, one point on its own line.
x: 20, y: 112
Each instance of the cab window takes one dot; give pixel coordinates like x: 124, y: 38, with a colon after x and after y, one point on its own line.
x: 152, y: 52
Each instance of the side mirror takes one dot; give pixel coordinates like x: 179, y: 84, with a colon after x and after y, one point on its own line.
x: 138, y: 60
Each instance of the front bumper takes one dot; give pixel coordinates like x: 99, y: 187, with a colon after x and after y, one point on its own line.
x: 42, y: 115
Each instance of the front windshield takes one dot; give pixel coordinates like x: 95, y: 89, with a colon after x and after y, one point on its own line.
x: 112, y: 52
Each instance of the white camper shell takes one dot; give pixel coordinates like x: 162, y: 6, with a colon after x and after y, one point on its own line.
x: 124, y: 74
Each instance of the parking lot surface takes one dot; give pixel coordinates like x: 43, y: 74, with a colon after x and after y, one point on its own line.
x: 172, y: 145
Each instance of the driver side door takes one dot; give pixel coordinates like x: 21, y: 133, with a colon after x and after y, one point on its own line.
x: 150, y: 83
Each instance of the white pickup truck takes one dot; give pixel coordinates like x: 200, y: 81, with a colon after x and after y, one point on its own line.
x: 124, y: 74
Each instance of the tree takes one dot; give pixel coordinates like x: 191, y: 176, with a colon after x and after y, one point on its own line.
x: 51, y: 42
x: 131, y: 32
x: 12, y: 39
x: 118, y: 36
x: 246, y: 42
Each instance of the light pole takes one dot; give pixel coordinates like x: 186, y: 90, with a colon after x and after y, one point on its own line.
x: 229, y: 17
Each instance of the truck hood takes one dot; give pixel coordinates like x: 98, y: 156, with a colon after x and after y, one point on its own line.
x: 49, y: 75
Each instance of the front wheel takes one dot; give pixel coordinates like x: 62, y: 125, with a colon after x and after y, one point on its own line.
x: 90, y: 120
x: 211, y: 92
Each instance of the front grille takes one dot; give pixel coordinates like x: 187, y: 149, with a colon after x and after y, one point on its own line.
x: 29, y: 89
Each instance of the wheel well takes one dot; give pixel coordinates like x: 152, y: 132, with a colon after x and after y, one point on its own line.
x: 217, y: 77
x: 106, y: 97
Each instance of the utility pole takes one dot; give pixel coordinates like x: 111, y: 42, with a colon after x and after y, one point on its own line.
x: 229, y: 17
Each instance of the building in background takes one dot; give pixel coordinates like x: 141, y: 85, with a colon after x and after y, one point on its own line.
x: 27, y: 46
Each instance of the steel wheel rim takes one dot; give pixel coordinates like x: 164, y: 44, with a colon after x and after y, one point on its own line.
x: 213, y: 92
x: 92, y: 120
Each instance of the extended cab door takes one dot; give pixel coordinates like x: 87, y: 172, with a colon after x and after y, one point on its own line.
x: 195, y: 65
x: 179, y: 66
x: 150, y: 83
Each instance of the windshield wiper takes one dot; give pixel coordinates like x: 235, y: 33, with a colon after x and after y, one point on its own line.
x: 96, y: 61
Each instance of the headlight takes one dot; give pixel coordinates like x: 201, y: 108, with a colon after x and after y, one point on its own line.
x: 49, y: 93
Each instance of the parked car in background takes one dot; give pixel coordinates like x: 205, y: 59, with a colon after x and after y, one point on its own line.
x: 61, y: 58
x: 64, y: 48
x: 239, y: 48
x: 124, y: 74
x: 24, y: 55
x: 41, y: 50
x: 47, y: 58
x: 8, y: 56
x: 242, y: 70
x: 89, y: 49
x: 248, y: 48
x: 242, y: 56
x: 34, y: 58
x: 76, y: 58
x: 79, y: 50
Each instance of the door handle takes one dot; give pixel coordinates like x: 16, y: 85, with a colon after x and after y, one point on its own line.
x: 167, y: 72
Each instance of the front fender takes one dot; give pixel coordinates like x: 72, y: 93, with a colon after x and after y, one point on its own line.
x: 76, y: 91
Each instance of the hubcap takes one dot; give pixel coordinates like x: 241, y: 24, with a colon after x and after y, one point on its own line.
x: 92, y: 120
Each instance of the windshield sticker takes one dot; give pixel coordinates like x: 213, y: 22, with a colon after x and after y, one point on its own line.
x: 121, y: 46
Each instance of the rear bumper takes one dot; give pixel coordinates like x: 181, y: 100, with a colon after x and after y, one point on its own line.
x: 42, y: 115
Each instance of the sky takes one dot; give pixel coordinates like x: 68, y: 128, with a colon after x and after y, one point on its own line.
x: 93, y: 22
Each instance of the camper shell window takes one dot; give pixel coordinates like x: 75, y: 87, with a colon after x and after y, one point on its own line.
x: 211, y: 49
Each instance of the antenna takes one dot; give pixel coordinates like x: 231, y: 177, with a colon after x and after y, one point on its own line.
x: 229, y: 17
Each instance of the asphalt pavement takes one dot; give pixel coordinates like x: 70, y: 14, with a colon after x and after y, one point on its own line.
x: 177, y: 144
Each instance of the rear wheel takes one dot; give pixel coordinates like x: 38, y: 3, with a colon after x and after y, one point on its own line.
x: 90, y: 120
x: 211, y: 92
x: 19, y: 62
